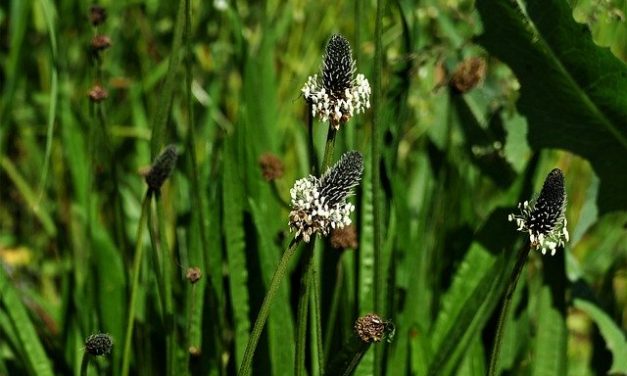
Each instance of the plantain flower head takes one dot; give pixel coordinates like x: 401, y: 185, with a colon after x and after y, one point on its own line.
x: 543, y: 218
x: 336, y: 95
x: 320, y: 205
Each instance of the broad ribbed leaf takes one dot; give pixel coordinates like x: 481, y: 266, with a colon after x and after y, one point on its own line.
x: 573, y: 93
x: 614, y: 337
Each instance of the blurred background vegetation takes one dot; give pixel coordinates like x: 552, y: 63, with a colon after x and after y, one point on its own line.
x: 453, y: 164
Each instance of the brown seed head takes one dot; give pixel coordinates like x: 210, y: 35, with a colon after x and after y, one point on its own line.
x: 343, y: 238
x: 97, y: 15
x: 98, y: 94
x: 100, y: 42
x: 271, y: 166
x: 370, y: 328
x: 468, y: 74
x: 193, y: 274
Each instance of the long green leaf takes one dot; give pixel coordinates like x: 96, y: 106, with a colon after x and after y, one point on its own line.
x: 550, y: 345
x: 233, y: 196
x: 38, y: 362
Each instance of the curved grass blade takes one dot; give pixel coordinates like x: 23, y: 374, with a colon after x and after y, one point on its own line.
x: 36, y: 358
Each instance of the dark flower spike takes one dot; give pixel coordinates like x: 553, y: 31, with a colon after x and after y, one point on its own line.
x: 543, y: 218
x: 339, y: 66
x: 162, y: 168
x: 338, y: 182
x: 99, y: 344
x: 319, y: 205
x: 338, y: 95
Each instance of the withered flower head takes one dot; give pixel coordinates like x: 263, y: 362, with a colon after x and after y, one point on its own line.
x: 372, y: 328
x: 99, y: 344
x: 338, y: 95
x: 97, y: 15
x: 193, y: 274
x: 100, y: 43
x: 342, y: 238
x: 271, y: 166
x: 468, y: 74
x: 543, y: 218
x: 97, y: 94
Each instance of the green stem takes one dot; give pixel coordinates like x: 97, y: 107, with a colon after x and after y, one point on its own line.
x: 329, y: 147
x: 156, y: 260
x: 316, y: 326
x: 134, y: 287
x: 301, y: 316
x: 310, y: 284
x: 507, y: 301
x: 264, y: 311
x: 313, y: 159
x: 166, y: 270
x: 333, y: 311
x: 85, y: 364
x: 345, y: 361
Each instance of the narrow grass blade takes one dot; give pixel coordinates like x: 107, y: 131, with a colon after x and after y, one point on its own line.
x: 233, y: 197
x: 36, y: 358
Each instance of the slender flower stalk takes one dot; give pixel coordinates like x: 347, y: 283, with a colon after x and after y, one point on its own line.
x: 336, y: 95
x: 264, y: 311
x: 544, y: 221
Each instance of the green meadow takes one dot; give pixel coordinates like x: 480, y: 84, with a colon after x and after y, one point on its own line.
x: 387, y: 188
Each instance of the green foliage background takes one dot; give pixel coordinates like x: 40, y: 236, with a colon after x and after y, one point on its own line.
x: 224, y: 85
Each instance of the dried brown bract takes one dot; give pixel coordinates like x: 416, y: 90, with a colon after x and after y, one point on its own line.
x: 343, y: 238
x: 271, y: 166
x: 98, y: 94
x: 468, y: 74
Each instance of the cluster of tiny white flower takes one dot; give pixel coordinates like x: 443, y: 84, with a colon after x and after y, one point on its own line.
x: 548, y: 240
x: 336, y: 108
x: 311, y: 213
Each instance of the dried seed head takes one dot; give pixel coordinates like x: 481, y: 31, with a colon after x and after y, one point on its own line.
x: 343, y: 238
x: 320, y: 205
x: 193, y: 274
x: 97, y: 94
x: 97, y: 15
x: 468, y: 74
x: 162, y: 168
x: 372, y: 328
x: 99, y: 344
x: 543, y: 218
x: 271, y: 166
x: 100, y: 42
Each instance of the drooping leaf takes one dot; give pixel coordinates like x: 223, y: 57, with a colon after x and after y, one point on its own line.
x: 573, y: 92
x: 613, y: 335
